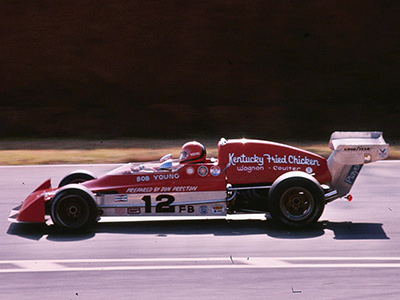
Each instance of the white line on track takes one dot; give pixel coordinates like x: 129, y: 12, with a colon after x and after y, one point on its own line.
x: 90, y: 265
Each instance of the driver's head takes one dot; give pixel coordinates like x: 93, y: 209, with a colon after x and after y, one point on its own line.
x: 192, y: 152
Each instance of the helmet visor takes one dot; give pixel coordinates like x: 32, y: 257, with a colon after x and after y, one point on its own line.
x: 183, y: 155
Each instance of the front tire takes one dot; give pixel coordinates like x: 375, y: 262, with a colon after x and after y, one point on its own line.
x: 73, y: 209
x: 296, y: 202
x: 76, y: 177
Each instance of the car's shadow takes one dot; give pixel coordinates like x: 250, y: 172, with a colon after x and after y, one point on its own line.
x: 341, y: 230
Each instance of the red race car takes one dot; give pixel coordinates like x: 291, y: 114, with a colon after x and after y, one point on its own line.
x: 249, y: 176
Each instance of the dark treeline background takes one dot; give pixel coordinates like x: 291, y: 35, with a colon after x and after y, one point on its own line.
x: 266, y: 69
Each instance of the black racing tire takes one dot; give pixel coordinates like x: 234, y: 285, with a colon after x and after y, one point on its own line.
x: 296, y: 202
x: 73, y: 209
x: 76, y: 177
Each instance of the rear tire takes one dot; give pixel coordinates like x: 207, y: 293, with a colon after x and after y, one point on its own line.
x: 73, y: 209
x: 296, y: 202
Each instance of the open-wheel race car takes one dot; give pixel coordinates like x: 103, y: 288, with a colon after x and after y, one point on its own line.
x: 249, y: 176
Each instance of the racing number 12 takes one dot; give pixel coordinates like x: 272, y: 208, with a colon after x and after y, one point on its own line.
x: 161, y: 207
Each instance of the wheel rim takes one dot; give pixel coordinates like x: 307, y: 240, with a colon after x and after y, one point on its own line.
x: 72, y: 211
x: 297, y: 203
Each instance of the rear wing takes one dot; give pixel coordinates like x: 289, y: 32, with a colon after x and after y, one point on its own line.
x: 358, y: 147
x: 351, y: 150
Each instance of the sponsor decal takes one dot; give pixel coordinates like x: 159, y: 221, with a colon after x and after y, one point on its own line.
x: 142, y: 178
x: 382, y: 152
x: 292, y: 160
x: 189, y: 171
x: 298, y: 160
x: 139, y: 190
x: 275, y: 159
x: 166, y: 176
x: 353, y: 173
x: 202, y: 171
x: 162, y: 189
x: 134, y: 211
x: 186, y: 209
x: 218, y: 210
x: 356, y: 149
x: 215, y: 170
x: 249, y: 169
x: 258, y: 162
x: 179, y: 188
x: 285, y: 168
x: 244, y: 159
x: 121, y: 198
x: 203, y: 209
x: 184, y: 188
x: 195, y: 154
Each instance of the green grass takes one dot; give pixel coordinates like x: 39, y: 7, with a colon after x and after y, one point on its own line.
x: 71, y: 151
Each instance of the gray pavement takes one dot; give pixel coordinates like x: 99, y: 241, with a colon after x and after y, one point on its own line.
x: 353, y: 251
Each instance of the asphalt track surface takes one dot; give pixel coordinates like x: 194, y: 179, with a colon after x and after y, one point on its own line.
x: 352, y: 253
